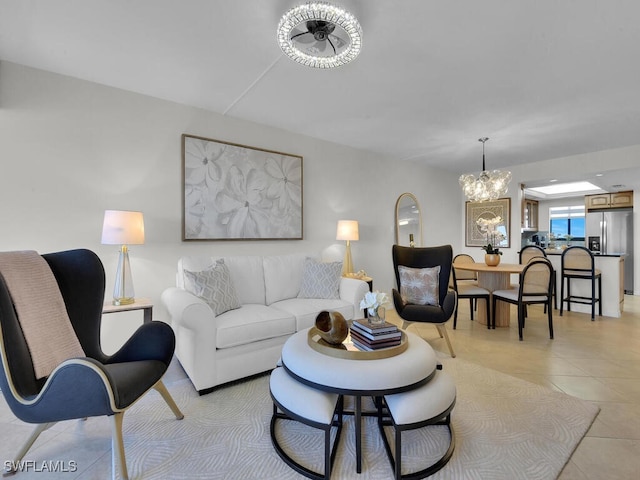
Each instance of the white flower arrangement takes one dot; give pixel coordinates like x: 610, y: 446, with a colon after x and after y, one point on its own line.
x: 489, y: 227
x: 373, y: 300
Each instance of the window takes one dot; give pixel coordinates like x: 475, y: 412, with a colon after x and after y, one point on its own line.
x: 567, y: 221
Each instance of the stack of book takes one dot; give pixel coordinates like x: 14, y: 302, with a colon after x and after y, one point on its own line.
x: 372, y: 337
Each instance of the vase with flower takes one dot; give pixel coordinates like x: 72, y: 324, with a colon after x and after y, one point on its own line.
x: 374, y: 303
x: 494, y: 237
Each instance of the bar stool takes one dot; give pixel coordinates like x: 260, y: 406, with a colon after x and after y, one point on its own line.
x: 579, y: 263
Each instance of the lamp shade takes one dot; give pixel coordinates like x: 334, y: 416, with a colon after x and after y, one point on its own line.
x: 122, y: 227
x: 347, y: 230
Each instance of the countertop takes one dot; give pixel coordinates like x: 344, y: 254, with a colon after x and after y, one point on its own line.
x: 597, y: 254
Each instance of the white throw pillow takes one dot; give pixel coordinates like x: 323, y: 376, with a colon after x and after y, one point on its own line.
x: 420, y: 286
x: 214, y: 286
x: 320, y: 279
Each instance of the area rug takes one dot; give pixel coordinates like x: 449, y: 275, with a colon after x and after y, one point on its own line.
x: 505, y: 428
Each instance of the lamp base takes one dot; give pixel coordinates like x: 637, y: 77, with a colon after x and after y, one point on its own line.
x: 347, y: 264
x: 123, y: 293
x: 123, y: 301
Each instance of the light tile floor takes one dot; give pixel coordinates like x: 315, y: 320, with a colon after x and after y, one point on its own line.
x: 597, y: 361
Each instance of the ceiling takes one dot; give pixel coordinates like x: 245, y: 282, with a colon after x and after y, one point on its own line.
x: 542, y: 79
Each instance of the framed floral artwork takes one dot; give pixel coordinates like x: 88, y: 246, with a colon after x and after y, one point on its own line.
x: 235, y: 192
x: 488, y: 222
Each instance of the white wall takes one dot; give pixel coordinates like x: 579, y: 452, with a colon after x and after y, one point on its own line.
x: 71, y: 149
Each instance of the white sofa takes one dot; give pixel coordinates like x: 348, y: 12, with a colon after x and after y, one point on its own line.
x: 214, y: 350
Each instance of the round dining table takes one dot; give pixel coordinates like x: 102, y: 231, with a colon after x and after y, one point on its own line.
x: 492, y: 279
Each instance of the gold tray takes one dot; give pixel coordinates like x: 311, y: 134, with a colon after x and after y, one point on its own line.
x: 349, y: 351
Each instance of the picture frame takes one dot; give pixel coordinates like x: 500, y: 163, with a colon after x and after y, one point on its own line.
x: 474, y: 236
x: 236, y: 192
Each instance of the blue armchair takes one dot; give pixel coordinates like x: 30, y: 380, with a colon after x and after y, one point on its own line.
x: 81, y: 387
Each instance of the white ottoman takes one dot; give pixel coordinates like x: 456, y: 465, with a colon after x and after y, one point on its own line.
x: 295, y: 401
x: 430, y: 404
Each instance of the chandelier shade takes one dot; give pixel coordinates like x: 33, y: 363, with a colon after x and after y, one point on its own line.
x: 488, y: 186
x: 320, y: 35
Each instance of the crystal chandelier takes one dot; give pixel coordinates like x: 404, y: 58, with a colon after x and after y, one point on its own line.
x: 488, y: 186
x: 320, y: 35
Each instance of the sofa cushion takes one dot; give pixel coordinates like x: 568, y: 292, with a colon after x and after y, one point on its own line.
x: 282, y: 276
x: 306, y: 310
x: 214, y: 286
x: 320, y: 279
x: 247, y: 274
x: 420, y: 285
x: 252, y: 323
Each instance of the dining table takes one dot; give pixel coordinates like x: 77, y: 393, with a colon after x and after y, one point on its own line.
x: 494, y: 278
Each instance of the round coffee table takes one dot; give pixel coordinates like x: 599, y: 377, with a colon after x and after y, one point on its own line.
x: 410, y: 369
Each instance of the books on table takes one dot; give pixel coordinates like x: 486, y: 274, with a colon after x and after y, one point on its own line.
x: 372, y: 337
x: 364, y: 325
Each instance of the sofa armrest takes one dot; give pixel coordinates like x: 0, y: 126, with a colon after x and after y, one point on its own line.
x: 195, y: 327
x: 353, y: 291
x: 187, y: 311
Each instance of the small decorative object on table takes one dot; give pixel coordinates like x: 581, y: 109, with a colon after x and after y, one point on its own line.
x: 332, y: 327
x: 494, y: 237
x: 373, y: 302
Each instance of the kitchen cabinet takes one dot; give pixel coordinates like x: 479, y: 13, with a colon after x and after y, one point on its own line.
x: 609, y: 200
x: 530, y: 214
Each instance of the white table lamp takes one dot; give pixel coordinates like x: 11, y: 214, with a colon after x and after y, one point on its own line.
x: 347, y: 230
x: 123, y: 228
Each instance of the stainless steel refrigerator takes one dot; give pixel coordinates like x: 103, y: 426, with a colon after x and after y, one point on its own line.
x: 612, y: 232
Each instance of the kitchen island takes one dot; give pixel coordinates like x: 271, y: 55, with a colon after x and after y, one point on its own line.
x: 612, y: 267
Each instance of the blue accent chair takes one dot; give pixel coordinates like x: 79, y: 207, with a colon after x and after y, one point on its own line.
x: 94, y: 385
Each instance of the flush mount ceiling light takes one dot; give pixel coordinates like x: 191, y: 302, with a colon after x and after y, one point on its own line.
x: 488, y: 186
x: 320, y: 35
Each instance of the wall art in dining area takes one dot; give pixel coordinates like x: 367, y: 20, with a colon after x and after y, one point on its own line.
x: 496, y: 214
x: 235, y: 192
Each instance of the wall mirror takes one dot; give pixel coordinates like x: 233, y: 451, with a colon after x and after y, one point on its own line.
x: 408, y: 221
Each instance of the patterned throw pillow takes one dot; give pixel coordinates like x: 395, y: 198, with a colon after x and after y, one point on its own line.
x: 420, y: 285
x: 214, y: 286
x: 320, y: 279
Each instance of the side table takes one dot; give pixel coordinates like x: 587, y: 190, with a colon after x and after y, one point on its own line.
x: 143, y: 304
x: 364, y: 278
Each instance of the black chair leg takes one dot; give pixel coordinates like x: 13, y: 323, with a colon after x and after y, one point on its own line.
x: 600, y: 296
x: 550, y: 320
x: 521, y: 310
x: 593, y: 299
x: 492, y: 321
x: 455, y: 315
x: 561, y: 293
x: 486, y: 302
x: 471, y: 307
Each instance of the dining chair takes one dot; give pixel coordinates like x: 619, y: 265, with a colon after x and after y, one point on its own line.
x: 578, y: 263
x: 531, y: 251
x: 534, y: 251
x: 52, y: 366
x: 535, y: 287
x: 469, y: 290
x: 422, y: 279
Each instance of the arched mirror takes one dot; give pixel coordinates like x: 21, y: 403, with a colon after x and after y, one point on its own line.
x: 408, y: 221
